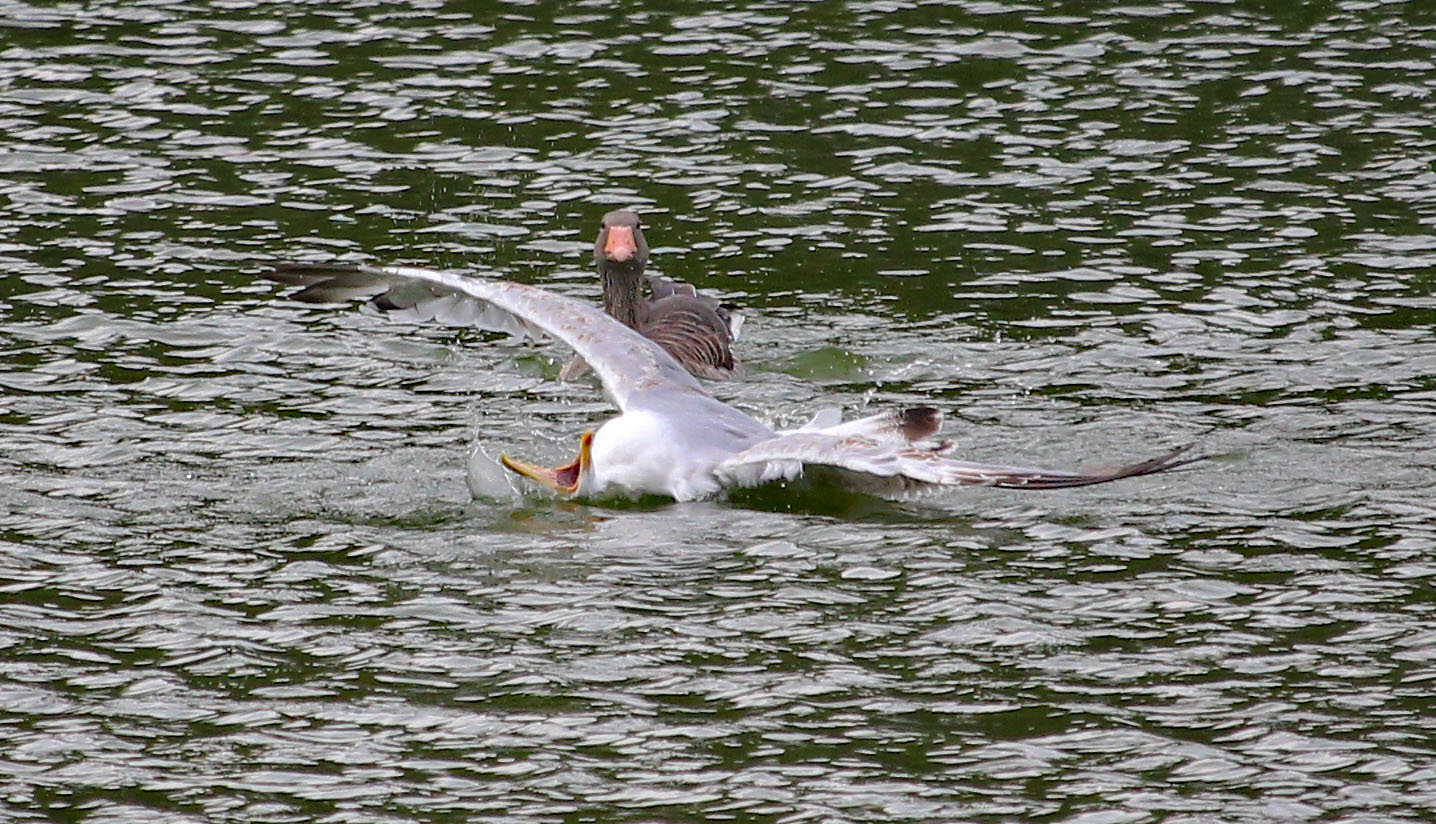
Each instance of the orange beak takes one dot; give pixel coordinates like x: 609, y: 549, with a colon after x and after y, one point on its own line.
x: 620, y: 245
x: 561, y: 479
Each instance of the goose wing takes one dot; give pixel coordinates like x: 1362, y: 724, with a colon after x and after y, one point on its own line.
x: 631, y: 367
x: 696, y: 329
x: 889, y: 467
x: 729, y: 315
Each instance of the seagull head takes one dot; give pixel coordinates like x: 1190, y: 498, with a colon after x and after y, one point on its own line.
x: 574, y: 479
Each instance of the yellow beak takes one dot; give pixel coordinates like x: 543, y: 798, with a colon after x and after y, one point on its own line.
x: 561, y: 479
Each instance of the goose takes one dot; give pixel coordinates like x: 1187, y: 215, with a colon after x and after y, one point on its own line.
x: 696, y: 330
x: 671, y: 437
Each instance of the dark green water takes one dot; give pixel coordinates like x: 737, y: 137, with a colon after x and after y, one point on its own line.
x: 242, y: 577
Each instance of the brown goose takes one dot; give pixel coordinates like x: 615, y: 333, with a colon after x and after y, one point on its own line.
x: 696, y: 330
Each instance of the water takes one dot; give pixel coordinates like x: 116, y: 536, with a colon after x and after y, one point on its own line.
x: 244, y: 578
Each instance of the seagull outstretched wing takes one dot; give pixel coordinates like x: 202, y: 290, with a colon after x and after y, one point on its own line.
x: 630, y: 366
x: 894, y: 467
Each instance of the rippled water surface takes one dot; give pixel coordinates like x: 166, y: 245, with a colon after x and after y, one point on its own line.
x: 242, y: 574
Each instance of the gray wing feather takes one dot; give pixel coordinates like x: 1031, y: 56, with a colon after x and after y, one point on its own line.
x: 664, y: 287
x: 901, y: 426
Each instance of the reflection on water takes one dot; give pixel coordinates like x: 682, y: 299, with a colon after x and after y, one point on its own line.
x: 244, y: 578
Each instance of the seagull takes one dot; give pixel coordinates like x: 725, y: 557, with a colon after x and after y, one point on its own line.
x: 696, y: 330
x: 670, y: 437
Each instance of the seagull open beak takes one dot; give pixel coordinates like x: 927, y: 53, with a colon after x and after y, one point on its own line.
x: 562, y: 479
x: 620, y: 245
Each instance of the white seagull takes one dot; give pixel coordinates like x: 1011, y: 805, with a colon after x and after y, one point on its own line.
x: 671, y: 437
